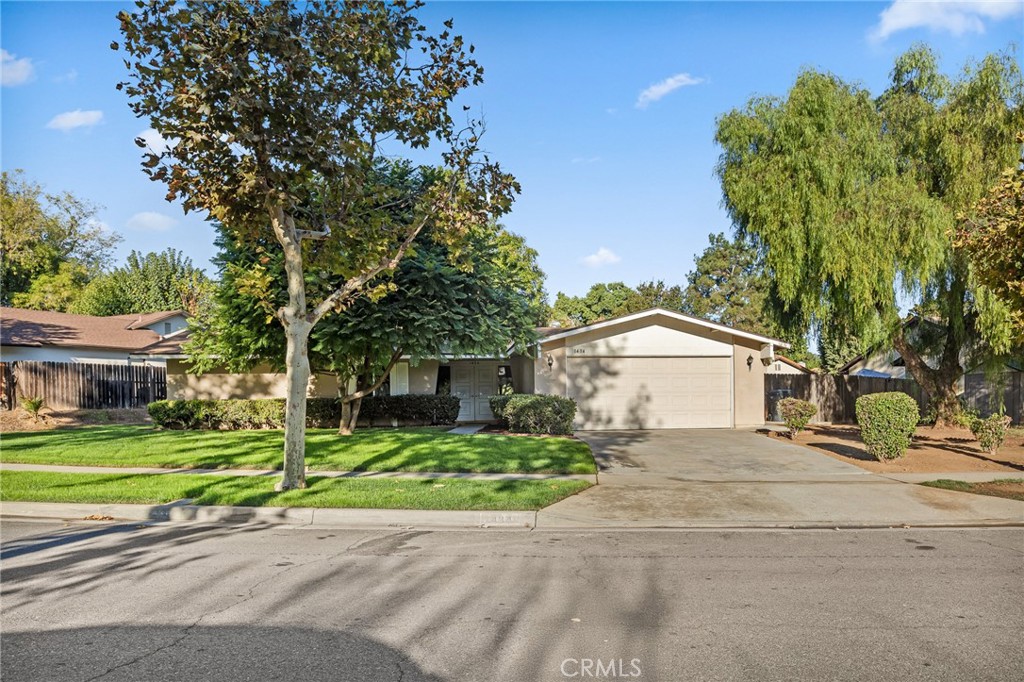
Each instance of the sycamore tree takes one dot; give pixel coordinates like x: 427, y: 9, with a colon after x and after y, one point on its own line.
x: 279, y: 111
x: 851, y: 199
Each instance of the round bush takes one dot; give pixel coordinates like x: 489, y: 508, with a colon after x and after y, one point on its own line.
x: 990, y: 432
x: 797, y: 414
x: 550, y: 414
x: 887, y: 422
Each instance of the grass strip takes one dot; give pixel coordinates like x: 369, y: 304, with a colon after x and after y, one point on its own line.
x: 1010, y: 488
x: 258, y: 491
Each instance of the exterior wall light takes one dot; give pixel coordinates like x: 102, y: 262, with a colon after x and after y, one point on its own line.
x: 750, y: 361
x: 551, y: 361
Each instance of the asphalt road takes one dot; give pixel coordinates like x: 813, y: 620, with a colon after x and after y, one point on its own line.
x: 125, y: 602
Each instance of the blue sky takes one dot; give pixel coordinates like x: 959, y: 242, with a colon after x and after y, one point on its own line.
x: 604, y: 111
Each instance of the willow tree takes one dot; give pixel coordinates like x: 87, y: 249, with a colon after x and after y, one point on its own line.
x: 852, y: 201
x: 276, y: 113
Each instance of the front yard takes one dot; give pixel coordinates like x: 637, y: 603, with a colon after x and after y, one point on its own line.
x: 949, y: 450
x: 258, y: 491
x: 409, y: 450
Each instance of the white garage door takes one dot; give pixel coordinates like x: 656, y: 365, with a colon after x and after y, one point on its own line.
x: 651, y: 393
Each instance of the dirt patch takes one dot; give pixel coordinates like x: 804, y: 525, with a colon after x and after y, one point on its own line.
x: 934, y: 450
x: 20, y: 420
x: 1011, y: 489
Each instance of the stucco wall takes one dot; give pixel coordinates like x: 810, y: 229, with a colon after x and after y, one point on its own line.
x: 651, y: 337
x: 748, y: 385
x: 221, y: 385
x: 522, y: 374
x: 423, y: 378
x: 86, y: 355
x: 177, y: 323
x: 780, y: 367
x: 550, y: 380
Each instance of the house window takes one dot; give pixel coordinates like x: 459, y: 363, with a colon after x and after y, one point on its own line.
x: 167, y: 328
x: 505, y: 379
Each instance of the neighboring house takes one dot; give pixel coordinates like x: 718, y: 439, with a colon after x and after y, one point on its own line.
x: 655, y: 369
x: 784, y: 365
x: 40, y: 335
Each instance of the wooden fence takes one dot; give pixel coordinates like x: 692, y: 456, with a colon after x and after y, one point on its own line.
x: 989, y: 395
x: 72, y: 385
x: 836, y: 396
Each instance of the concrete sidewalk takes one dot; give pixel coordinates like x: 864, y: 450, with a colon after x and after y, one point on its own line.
x: 60, y: 468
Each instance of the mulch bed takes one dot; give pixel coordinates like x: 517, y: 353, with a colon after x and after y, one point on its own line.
x: 20, y: 420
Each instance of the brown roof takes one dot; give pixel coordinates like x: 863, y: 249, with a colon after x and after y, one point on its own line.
x: 792, y: 363
x: 19, y: 327
x: 169, y: 345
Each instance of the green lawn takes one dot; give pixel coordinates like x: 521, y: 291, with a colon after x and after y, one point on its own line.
x: 366, y: 450
x: 258, y: 491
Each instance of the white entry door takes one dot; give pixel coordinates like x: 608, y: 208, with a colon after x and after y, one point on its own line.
x: 474, y: 382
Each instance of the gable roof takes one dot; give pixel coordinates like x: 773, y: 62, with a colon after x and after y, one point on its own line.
x: 20, y: 327
x: 714, y: 326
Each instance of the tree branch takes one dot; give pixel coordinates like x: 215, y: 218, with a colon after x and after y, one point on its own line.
x: 358, y: 395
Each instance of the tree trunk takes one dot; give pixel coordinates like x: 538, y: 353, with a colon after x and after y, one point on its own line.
x: 939, y: 384
x: 365, y: 385
x: 297, y: 378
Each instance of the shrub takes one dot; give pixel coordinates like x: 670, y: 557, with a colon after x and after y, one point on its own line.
x: 551, y: 414
x: 32, y: 406
x: 498, y: 404
x: 320, y: 412
x: 990, y: 432
x: 797, y: 414
x: 887, y: 422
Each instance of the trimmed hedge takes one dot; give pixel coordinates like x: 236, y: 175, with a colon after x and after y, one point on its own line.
x: 797, y: 414
x: 990, y: 432
x: 235, y: 415
x: 887, y: 422
x: 549, y: 414
x: 498, y: 403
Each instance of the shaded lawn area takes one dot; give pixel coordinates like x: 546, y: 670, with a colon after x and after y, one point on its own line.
x: 1010, y: 488
x: 258, y: 491
x: 421, y: 449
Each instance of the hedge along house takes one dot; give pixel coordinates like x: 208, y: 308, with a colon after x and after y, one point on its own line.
x: 656, y: 369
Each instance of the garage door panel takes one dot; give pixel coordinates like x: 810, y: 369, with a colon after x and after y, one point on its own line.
x: 651, y: 393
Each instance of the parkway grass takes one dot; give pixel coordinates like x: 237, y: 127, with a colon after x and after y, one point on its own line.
x: 412, y: 449
x: 258, y: 491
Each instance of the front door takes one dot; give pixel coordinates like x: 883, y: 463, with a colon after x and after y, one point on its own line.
x: 474, y: 382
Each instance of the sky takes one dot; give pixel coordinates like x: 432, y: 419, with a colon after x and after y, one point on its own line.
x: 604, y: 111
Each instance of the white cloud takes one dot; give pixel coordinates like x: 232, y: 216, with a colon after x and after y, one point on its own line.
x: 955, y: 16
x: 151, y: 221
x: 586, y: 159
x: 69, y: 77
x: 70, y: 120
x: 103, y: 227
x: 603, y: 256
x: 15, y: 71
x: 659, y: 90
x: 156, y: 142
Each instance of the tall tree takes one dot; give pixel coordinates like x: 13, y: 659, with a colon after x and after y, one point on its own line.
x: 41, y: 232
x: 279, y: 111
x: 653, y: 294
x: 145, y: 284
x: 992, y: 237
x: 431, y: 306
x: 728, y: 285
x: 850, y: 201
x: 602, y: 301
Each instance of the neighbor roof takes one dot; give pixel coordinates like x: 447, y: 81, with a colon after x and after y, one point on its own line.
x: 792, y: 363
x: 667, y: 313
x: 19, y: 327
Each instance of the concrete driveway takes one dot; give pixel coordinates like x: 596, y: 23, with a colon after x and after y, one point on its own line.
x: 732, y: 478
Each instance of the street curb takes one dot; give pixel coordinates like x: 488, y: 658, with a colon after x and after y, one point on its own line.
x: 286, y: 516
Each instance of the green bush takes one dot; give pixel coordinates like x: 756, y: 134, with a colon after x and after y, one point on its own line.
x: 797, y: 414
x: 887, y: 422
x: 990, y: 432
x: 551, y: 414
x: 498, y: 403
x: 32, y: 406
x: 235, y: 415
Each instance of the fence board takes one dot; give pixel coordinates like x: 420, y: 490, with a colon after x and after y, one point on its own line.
x: 836, y: 396
x: 71, y: 385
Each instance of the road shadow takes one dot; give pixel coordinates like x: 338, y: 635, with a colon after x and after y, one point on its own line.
x: 201, y: 652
